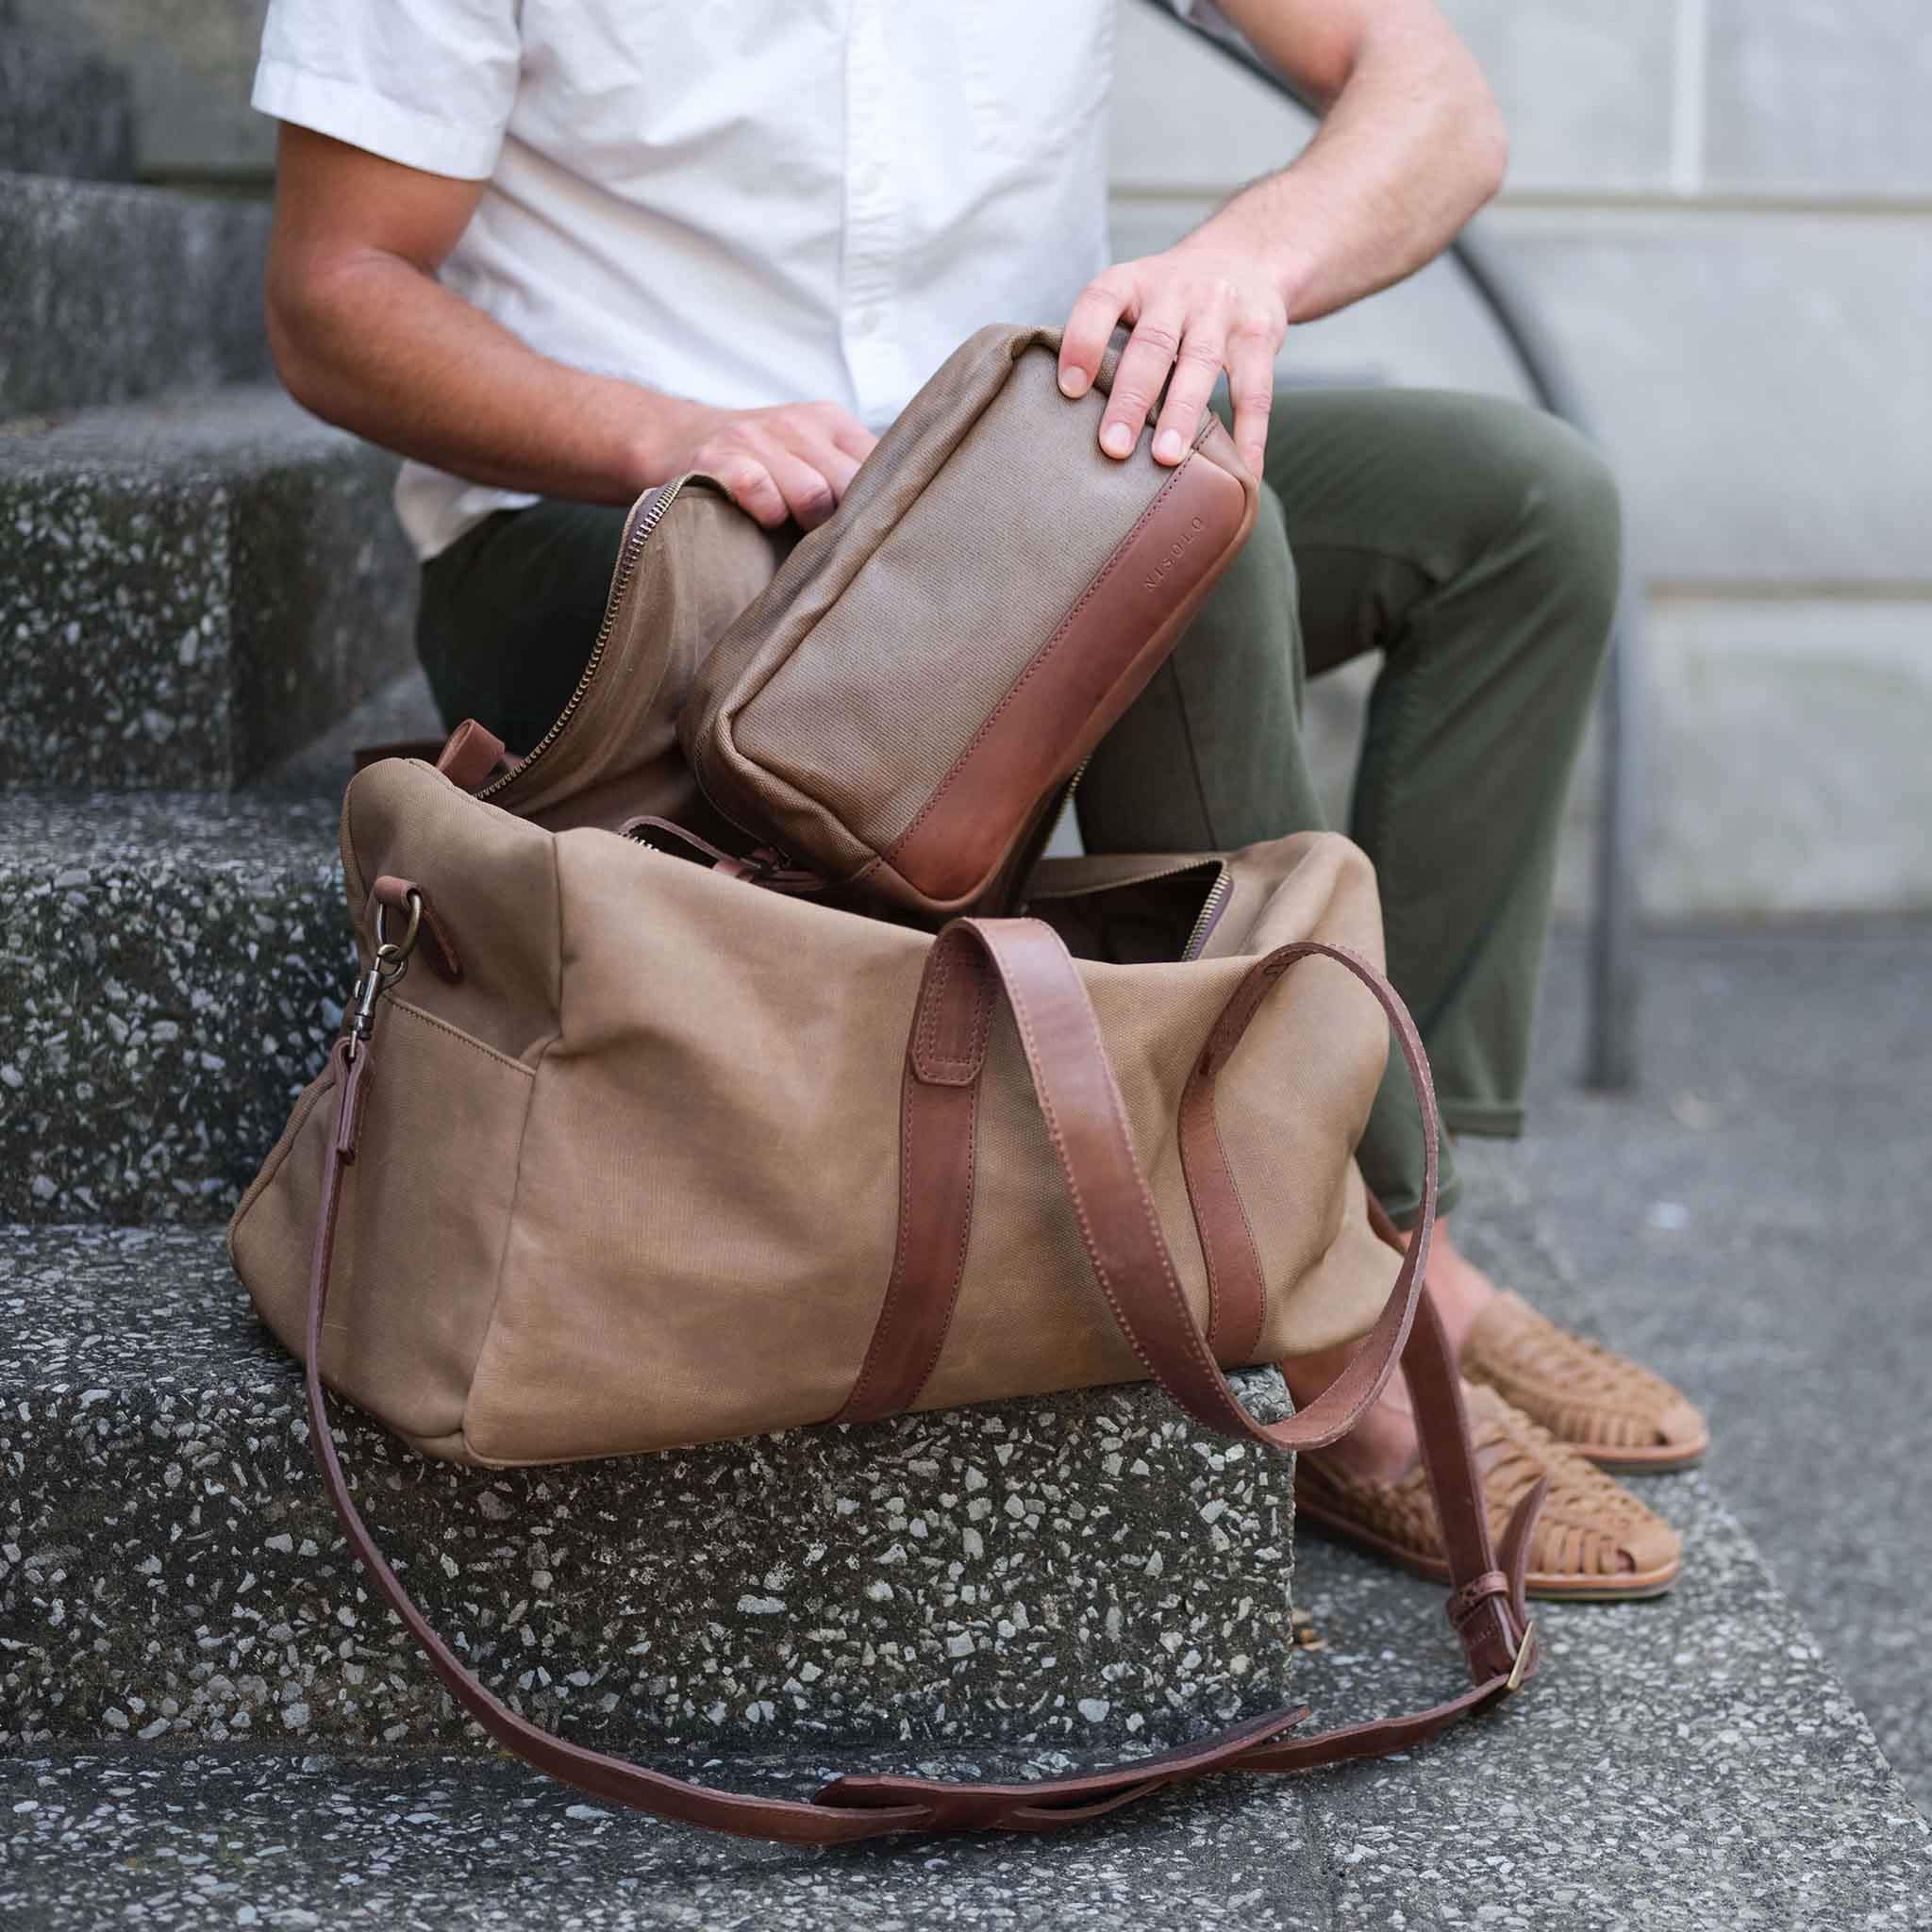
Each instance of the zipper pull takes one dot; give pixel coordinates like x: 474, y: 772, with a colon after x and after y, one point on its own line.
x: 765, y: 866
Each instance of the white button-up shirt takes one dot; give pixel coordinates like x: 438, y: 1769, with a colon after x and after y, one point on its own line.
x: 746, y: 203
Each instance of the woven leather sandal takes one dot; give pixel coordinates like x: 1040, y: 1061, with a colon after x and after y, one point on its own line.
x: 1621, y: 1416
x: 1596, y: 1542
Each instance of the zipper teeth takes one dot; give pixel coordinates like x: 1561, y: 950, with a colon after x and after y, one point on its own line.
x: 639, y: 534
x: 1211, y: 909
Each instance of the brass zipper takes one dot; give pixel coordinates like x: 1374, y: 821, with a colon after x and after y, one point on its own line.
x: 635, y: 538
x: 1211, y: 908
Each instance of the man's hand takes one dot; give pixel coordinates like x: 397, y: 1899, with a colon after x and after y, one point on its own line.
x: 365, y: 336
x: 1410, y: 145
x: 1197, y: 309
x: 794, y: 460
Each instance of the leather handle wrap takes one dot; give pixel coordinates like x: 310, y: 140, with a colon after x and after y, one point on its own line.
x: 1070, y: 1070
x: 1119, y: 1226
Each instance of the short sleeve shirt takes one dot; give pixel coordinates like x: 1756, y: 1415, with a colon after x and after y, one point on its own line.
x: 747, y: 203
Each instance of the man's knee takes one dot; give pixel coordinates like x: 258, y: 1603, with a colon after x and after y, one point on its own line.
x: 1552, y: 499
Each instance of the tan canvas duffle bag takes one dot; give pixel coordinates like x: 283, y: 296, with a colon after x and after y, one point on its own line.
x: 619, y: 1152
x: 893, y: 712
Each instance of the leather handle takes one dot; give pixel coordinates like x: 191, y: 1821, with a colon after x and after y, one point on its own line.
x: 850, y: 1809
x: 1119, y: 1224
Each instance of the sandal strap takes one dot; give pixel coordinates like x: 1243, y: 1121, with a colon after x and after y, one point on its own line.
x: 1586, y: 1526
x: 1587, y: 1393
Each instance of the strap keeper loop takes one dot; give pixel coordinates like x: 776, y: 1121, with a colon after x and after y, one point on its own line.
x: 1467, y: 1601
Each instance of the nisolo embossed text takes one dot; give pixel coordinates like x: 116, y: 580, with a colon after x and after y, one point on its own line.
x: 1175, y: 550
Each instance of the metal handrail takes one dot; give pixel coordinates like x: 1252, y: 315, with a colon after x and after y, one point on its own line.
x: 1610, y: 1046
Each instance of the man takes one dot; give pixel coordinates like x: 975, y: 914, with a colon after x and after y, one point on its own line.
x: 554, y: 251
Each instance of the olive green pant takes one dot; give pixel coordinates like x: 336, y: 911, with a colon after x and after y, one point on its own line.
x: 1472, y: 543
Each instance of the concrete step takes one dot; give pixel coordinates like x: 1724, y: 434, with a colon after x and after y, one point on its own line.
x: 63, y: 109
x: 173, y: 969
x: 115, y: 292
x: 190, y: 62
x: 1686, y: 1766
x: 1087, y: 1568
x: 190, y: 590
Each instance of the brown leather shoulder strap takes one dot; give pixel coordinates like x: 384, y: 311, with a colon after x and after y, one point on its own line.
x: 1487, y: 1600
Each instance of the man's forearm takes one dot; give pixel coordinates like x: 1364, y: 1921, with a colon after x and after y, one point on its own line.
x: 385, y: 350
x: 1412, y: 146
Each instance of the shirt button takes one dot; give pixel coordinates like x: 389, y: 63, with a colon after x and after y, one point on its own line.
x: 866, y: 321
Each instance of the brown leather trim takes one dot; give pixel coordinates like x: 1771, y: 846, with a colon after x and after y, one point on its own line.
x: 472, y: 756
x: 1237, y: 1286
x: 937, y: 1155
x: 1098, y: 660
x: 938, y: 1125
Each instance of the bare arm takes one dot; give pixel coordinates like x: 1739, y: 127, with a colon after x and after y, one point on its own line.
x: 1410, y: 145
x: 365, y: 336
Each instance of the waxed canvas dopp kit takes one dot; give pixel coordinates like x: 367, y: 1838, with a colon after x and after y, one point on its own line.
x: 898, y: 705
x: 619, y: 1151
x: 1035, y: 581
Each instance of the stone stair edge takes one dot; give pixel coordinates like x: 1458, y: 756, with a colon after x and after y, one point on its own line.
x: 134, y: 834
x: 172, y: 972
x: 119, y: 289
x: 66, y: 188
x: 170, y: 1567
x: 191, y: 587
x: 191, y: 428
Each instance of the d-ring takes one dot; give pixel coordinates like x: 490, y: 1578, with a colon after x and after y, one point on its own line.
x: 399, y: 950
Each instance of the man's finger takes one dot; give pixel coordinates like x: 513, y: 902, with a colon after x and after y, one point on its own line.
x: 809, y: 496
x: 1084, y: 339
x: 1196, y: 369
x: 1142, y: 368
x: 751, y: 487
x: 854, y: 438
x: 1251, y: 384
x: 833, y: 464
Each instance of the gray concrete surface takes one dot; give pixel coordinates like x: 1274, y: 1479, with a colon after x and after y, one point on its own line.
x: 63, y: 109
x: 114, y: 292
x: 1752, y: 1223
x: 1084, y: 1568
x: 1685, y: 1766
x: 190, y: 62
x: 173, y: 967
x: 190, y: 588
x: 1805, y: 97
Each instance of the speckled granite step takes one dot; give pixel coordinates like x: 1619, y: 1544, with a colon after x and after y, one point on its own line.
x: 172, y: 969
x: 190, y: 588
x: 1088, y: 1566
x: 1685, y: 1766
x: 115, y: 292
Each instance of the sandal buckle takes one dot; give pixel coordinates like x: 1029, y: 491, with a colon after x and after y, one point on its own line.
x: 1526, y: 1651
